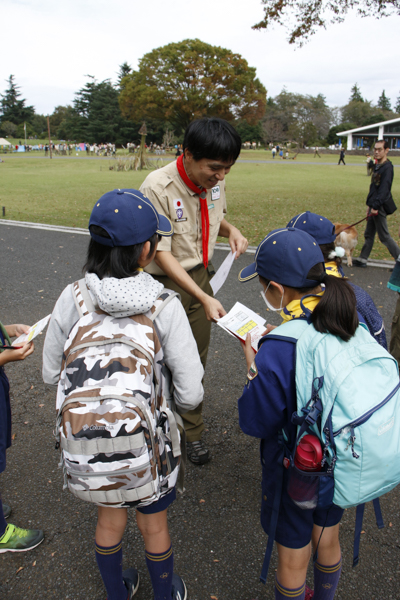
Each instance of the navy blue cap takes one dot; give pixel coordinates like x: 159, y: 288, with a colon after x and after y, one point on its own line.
x: 285, y: 256
x: 321, y: 229
x: 128, y: 217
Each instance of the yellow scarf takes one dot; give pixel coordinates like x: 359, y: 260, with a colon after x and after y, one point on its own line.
x: 294, y: 310
x: 332, y: 269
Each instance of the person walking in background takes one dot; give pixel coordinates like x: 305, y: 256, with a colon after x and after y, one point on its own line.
x: 273, y: 151
x: 342, y: 155
x: 380, y: 204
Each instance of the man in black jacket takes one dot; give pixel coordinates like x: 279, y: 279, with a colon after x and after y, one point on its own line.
x: 380, y: 204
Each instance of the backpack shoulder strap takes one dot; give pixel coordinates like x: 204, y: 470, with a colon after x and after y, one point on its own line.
x: 83, y: 301
x: 162, y: 301
x: 289, y: 331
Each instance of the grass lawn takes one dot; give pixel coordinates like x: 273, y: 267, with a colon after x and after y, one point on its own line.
x: 261, y: 196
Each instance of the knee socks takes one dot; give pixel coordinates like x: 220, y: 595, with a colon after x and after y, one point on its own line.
x: 161, y: 568
x: 282, y: 593
x: 3, y: 523
x: 109, y: 561
x: 326, y: 580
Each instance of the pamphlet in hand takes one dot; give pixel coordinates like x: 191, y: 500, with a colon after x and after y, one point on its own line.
x: 240, y: 321
x: 220, y: 276
x: 32, y: 332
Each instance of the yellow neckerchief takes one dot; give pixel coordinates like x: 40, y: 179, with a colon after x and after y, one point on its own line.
x: 295, y: 310
x: 332, y: 269
x: 140, y: 269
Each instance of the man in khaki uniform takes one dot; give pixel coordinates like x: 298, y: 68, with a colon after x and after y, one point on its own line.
x: 191, y: 193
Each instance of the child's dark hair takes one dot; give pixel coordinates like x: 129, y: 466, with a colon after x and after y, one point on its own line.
x: 118, y: 262
x: 336, y: 312
x: 328, y: 250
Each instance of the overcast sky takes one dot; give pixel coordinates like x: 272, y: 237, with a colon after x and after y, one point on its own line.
x: 50, y: 46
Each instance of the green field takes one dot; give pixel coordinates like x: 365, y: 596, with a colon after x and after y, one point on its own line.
x: 261, y: 196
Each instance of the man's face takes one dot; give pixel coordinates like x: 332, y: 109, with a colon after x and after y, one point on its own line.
x: 380, y: 153
x: 206, y: 172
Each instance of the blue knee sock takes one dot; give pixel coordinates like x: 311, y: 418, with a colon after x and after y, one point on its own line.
x: 282, y: 593
x: 161, y: 569
x: 326, y: 580
x: 3, y: 522
x: 109, y: 561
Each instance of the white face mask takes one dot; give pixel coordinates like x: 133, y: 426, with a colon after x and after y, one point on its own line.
x: 268, y: 303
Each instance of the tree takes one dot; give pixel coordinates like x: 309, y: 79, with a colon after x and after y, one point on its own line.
x: 124, y: 70
x: 302, y: 19
x: 11, y: 108
x: 96, y: 116
x: 357, y: 112
x: 8, y: 129
x: 384, y: 102
x: 397, y: 107
x: 356, y: 94
x: 191, y: 79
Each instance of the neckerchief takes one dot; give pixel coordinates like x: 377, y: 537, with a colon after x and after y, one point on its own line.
x: 202, y: 193
x: 300, y: 308
x: 332, y: 269
x: 4, y: 337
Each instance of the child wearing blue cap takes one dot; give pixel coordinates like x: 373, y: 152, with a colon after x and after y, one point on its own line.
x: 323, y: 231
x: 290, y: 267
x: 125, y: 229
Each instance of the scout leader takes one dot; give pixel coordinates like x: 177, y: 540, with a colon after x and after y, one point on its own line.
x: 191, y: 193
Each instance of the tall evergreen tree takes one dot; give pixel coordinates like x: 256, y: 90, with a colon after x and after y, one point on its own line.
x: 384, y: 102
x: 124, y: 70
x: 397, y: 107
x: 356, y: 94
x: 12, y: 108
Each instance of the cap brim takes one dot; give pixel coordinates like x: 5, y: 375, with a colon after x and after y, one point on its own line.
x: 165, y: 227
x: 248, y: 273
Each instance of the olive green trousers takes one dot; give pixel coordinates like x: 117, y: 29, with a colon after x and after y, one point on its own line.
x: 201, y: 328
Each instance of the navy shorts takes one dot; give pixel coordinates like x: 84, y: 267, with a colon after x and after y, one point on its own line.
x: 5, y: 418
x: 160, y: 505
x: 295, y: 525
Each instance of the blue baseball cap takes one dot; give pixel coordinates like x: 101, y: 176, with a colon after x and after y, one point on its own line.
x: 321, y: 229
x: 285, y: 256
x: 128, y: 217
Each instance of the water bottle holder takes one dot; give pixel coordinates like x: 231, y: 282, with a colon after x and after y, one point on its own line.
x: 310, y: 489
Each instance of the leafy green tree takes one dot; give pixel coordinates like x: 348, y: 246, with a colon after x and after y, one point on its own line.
x: 12, y: 108
x: 332, y: 138
x: 8, y: 129
x: 303, y: 19
x: 249, y: 133
x: 124, y: 70
x: 384, y: 102
x: 397, y: 107
x: 356, y: 94
x: 39, y: 125
x: 357, y: 112
x: 191, y: 79
x: 96, y: 116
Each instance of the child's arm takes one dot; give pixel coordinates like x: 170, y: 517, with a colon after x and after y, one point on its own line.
x: 19, y: 354
x: 16, y: 330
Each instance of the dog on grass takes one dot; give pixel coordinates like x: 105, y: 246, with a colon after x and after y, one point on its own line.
x: 347, y: 238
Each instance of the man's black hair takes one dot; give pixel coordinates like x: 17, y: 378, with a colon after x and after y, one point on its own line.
x: 212, y: 138
x: 118, y: 262
x: 384, y: 142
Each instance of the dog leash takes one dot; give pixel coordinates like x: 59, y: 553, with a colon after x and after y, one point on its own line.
x: 354, y: 224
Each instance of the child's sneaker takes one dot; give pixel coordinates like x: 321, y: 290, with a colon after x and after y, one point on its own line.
x: 179, y: 591
x: 131, y: 580
x: 6, y: 510
x: 20, y: 540
x: 309, y: 593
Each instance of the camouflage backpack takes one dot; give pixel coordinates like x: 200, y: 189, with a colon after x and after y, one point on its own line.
x: 120, y: 444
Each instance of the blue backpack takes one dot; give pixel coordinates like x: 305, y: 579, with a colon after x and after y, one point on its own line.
x: 348, y: 395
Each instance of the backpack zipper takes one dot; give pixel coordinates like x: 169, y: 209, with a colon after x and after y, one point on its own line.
x: 361, y: 420
x: 108, y: 473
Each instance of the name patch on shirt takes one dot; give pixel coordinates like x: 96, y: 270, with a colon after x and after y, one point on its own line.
x: 210, y: 206
x: 180, y: 220
x: 215, y: 193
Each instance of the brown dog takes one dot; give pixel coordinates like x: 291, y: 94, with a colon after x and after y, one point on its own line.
x: 346, y: 239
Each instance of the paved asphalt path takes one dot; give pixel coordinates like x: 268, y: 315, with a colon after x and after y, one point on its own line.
x: 217, y: 538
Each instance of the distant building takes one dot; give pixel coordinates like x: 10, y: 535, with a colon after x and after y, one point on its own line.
x: 365, y: 137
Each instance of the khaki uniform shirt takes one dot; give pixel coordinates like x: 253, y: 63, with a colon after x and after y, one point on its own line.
x: 173, y: 199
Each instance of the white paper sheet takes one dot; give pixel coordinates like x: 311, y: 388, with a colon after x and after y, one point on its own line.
x: 33, y: 332
x: 240, y: 321
x: 220, y: 276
